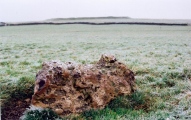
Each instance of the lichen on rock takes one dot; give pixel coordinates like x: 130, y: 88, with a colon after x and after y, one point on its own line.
x: 71, y: 88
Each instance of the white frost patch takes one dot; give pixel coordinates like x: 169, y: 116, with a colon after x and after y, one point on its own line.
x: 32, y: 108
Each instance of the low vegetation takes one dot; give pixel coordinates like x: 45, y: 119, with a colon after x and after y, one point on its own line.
x: 159, y: 56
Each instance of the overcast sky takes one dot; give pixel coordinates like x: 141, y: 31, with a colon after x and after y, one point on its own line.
x: 34, y: 10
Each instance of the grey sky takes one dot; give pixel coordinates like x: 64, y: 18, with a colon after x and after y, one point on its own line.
x: 34, y: 10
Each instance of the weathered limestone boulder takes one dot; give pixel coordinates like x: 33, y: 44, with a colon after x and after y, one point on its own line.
x: 70, y: 88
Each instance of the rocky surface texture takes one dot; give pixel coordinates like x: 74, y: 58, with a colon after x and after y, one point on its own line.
x: 71, y: 88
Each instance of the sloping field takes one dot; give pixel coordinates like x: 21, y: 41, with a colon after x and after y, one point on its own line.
x: 159, y: 55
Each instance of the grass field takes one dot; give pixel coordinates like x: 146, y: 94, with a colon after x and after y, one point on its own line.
x: 159, y: 55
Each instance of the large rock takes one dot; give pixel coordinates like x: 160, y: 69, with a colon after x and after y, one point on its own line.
x: 70, y: 88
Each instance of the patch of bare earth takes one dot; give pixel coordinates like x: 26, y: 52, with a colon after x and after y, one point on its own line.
x: 14, y: 108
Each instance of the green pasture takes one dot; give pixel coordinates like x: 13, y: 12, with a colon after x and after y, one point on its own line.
x: 160, y: 56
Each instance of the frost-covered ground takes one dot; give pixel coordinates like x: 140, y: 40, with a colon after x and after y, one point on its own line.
x: 159, y: 55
